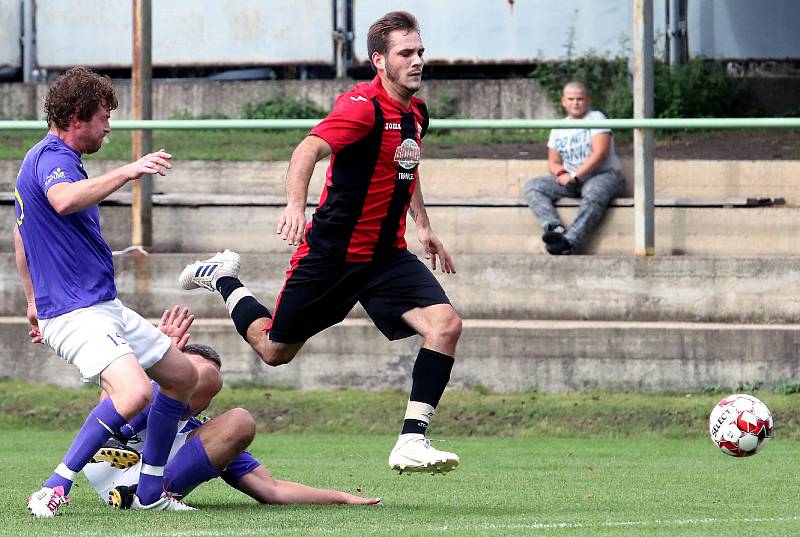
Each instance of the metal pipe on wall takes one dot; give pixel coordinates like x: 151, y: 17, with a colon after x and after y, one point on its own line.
x: 142, y: 141
x: 27, y: 41
x: 643, y: 190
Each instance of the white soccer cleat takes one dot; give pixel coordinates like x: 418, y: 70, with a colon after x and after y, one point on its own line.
x: 413, y: 453
x: 46, y: 502
x: 167, y: 502
x: 206, y: 273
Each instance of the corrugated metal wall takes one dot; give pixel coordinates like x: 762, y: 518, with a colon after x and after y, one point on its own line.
x: 259, y: 32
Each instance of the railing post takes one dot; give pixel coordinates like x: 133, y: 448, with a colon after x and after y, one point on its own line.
x: 643, y: 189
x: 142, y: 140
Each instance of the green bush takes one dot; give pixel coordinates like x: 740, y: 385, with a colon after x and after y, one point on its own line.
x: 283, y: 108
x: 185, y: 114
x: 698, y: 88
x: 442, y: 105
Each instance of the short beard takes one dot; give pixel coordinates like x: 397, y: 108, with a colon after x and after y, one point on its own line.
x: 392, y: 76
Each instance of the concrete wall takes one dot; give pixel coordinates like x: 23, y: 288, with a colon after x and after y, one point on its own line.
x: 474, y: 179
x: 757, y: 290
x: 494, y: 99
x: 549, y: 356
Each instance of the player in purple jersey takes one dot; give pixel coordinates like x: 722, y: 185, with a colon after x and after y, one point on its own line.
x: 68, y: 277
x: 204, y: 449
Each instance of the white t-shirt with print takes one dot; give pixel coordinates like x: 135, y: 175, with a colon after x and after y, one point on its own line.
x: 575, y: 145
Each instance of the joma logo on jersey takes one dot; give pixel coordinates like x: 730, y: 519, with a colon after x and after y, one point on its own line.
x: 407, y: 154
x: 392, y: 127
x: 405, y: 176
x: 58, y: 173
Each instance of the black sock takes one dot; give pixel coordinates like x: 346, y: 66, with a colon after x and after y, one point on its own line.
x: 227, y: 285
x: 428, y: 380
x: 245, y: 309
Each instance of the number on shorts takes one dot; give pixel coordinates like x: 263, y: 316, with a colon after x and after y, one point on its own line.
x: 116, y: 339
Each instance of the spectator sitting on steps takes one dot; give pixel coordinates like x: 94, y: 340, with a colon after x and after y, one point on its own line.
x: 582, y: 164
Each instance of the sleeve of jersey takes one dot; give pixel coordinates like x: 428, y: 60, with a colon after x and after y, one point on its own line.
x: 351, y: 120
x: 54, y: 168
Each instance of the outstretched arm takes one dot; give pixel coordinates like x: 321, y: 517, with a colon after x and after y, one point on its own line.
x: 292, y: 223
x: 68, y: 198
x: 264, y: 488
x: 431, y: 244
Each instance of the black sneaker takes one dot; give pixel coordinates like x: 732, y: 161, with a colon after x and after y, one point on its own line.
x: 554, y: 234
x: 563, y: 247
x: 121, y: 497
x: 117, y: 454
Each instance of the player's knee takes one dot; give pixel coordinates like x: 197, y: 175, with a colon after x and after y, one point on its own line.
x: 244, y: 427
x: 134, y: 399
x: 449, y: 328
x: 275, y: 357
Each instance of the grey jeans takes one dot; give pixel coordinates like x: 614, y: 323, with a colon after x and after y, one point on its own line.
x: 595, y: 193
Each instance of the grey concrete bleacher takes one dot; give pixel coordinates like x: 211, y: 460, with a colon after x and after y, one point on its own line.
x: 715, y: 307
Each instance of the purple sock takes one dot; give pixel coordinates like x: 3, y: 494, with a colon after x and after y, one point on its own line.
x: 162, y: 426
x: 240, y: 467
x: 97, y: 428
x: 189, y: 468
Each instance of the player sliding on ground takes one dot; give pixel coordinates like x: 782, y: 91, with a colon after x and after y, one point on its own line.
x: 354, y: 248
x: 203, y: 449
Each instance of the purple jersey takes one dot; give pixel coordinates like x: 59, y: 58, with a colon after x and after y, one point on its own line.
x: 68, y: 259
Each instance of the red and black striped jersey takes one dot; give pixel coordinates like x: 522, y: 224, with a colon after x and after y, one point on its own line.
x: 373, y: 171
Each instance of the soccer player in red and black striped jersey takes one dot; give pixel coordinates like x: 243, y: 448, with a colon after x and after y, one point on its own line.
x: 354, y: 249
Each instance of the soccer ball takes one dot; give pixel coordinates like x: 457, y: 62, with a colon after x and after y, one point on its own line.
x: 740, y: 425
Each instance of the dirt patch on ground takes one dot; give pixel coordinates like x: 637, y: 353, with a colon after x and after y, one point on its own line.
x: 728, y: 145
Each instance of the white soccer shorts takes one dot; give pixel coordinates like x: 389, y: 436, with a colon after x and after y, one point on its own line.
x: 92, y: 338
x: 103, y: 477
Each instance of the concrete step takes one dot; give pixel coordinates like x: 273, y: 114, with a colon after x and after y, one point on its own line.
x: 550, y: 356
x: 626, y: 288
x: 473, y: 178
x: 700, y: 231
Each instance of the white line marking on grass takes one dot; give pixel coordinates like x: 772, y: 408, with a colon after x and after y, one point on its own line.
x: 544, y: 526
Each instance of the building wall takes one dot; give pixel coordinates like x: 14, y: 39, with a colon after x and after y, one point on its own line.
x: 272, y: 32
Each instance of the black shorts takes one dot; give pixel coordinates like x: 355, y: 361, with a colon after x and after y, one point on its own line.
x: 319, y: 294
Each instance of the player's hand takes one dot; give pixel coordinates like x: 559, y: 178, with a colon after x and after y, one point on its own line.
x: 434, y: 249
x: 175, y: 323
x: 33, y: 319
x: 152, y: 163
x: 292, y: 224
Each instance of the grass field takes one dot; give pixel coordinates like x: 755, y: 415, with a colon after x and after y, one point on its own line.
x: 505, y: 486
x: 588, y: 464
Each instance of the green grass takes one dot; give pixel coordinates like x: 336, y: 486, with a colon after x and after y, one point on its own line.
x: 475, y: 412
x: 505, y: 486
x: 242, y: 145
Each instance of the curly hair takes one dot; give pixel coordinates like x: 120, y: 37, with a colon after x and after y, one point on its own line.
x: 378, y: 34
x: 79, y: 91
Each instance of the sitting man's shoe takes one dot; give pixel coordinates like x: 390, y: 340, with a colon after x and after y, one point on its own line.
x: 46, y: 502
x: 121, y: 497
x: 206, y: 273
x: 563, y: 247
x: 553, y: 234
x: 117, y: 454
x: 167, y: 502
x: 413, y: 453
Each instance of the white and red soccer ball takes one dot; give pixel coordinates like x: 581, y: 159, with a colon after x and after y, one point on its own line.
x: 740, y: 425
